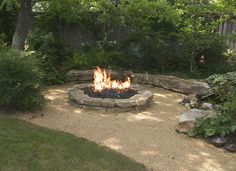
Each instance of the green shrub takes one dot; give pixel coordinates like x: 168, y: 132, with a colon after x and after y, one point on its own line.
x: 224, y: 93
x: 20, y: 81
x: 223, y: 86
x: 106, y: 55
x: 3, y: 44
x: 90, y: 58
x: 8, y: 18
x: 52, y: 55
x: 229, y: 107
x: 221, y: 125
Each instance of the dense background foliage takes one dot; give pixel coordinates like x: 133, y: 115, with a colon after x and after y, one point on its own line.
x: 8, y: 15
x: 164, y: 36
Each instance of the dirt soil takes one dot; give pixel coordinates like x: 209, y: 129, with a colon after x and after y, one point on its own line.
x: 149, y: 137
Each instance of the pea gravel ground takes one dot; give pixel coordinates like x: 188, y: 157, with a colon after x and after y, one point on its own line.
x: 148, y: 137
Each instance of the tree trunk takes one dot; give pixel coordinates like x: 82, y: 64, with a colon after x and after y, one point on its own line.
x: 23, y: 24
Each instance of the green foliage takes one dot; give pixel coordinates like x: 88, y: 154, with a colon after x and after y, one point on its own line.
x: 200, y: 20
x: 90, y: 59
x: 223, y: 86
x: 224, y: 93
x: 20, y: 80
x: 52, y: 55
x: 163, y: 36
x: 101, y: 17
x: 228, y: 107
x: 221, y: 125
x: 8, y: 15
x: 3, y: 44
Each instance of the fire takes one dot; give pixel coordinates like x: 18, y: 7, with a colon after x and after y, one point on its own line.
x: 102, y: 80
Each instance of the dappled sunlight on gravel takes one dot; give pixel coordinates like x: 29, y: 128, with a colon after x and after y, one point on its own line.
x: 148, y: 137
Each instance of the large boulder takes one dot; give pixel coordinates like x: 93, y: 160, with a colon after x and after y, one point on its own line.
x: 186, y: 86
x: 187, y: 119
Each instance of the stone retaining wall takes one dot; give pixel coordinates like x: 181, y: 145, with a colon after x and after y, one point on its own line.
x: 185, y: 86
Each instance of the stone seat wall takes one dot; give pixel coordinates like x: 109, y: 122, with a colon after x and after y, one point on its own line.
x: 185, y: 86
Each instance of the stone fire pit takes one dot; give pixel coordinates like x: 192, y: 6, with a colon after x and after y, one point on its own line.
x: 137, y: 102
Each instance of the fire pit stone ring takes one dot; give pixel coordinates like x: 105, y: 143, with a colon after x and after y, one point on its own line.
x: 137, y: 102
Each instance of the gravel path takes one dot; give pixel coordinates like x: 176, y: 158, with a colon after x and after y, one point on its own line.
x: 148, y: 137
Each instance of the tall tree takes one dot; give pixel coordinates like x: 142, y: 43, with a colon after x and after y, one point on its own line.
x: 8, y: 16
x: 23, y: 24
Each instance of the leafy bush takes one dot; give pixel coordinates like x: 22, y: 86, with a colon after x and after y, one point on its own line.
x: 223, y: 86
x: 224, y: 93
x: 20, y: 80
x: 3, y: 44
x: 89, y: 57
x: 229, y: 107
x: 52, y: 55
x: 106, y: 55
x: 206, y: 127
x: 8, y: 18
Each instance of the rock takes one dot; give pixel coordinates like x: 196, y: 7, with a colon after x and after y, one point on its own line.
x: 139, y: 78
x: 137, y: 102
x: 230, y: 147
x: 125, y: 103
x: 194, y: 102
x: 185, y: 86
x: 184, y: 127
x: 75, y: 94
x: 193, y: 98
x: 187, y: 119
x: 207, y: 106
x: 108, y: 102
x: 185, y: 100
x: 217, y: 141
x: 91, y: 101
x: 181, y: 85
x: 190, y: 101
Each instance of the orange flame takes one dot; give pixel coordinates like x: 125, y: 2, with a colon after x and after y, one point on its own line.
x: 102, y: 80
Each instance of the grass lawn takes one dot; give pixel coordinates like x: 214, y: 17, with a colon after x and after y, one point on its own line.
x: 24, y: 146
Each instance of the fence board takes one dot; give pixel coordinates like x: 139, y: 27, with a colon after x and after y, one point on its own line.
x: 75, y: 35
x: 226, y: 29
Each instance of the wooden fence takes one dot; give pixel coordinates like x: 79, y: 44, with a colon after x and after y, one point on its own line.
x: 226, y: 29
x: 75, y: 36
